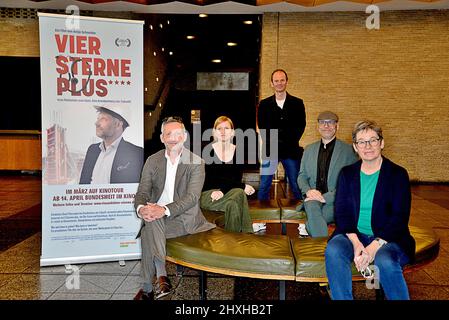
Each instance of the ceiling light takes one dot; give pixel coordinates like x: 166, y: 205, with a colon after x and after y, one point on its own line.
x: 151, y: 27
x: 248, y: 22
x: 202, y: 15
x: 190, y: 37
x: 154, y: 53
x: 216, y: 60
x: 232, y: 44
x: 170, y: 53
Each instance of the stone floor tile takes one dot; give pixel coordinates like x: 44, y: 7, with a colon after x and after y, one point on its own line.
x: 112, y: 268
x: 24, y: 295
x: 419, y: 277
x: 425, y: 292
x: 443, y: 233
x: 224, y: 288
x: 361, y: 291
x: 35, y: 283
x: 101, y: 284
x: 437, y: 269
x: 131, y: 284
x: 187, y: 289
x: 5, y: 278
x: 16, y: 264
x: 123, y: 296
x: 80, y: 296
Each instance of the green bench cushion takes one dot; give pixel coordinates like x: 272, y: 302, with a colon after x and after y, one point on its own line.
x: 288, y: 210
x: 212, y: 216
x: 271, y: 256
x: 264, y: 210
x: 309, y: 254
x: 427, y: 244
x: 268, y: 256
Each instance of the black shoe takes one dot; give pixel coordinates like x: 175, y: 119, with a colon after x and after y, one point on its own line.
x: 163, y: 287
x: 142, y: 295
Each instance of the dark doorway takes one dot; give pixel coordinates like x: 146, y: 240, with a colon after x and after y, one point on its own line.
x: 220, y: 48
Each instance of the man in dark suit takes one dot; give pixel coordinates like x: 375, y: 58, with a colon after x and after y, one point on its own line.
x: 113, y: 160
x: 167, y: 201
x: 284, y: 114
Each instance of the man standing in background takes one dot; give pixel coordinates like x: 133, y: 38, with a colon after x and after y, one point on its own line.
x: 286, y: 114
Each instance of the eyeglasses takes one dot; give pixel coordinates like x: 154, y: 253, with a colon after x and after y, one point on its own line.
x: 373, y: 142
x: 328, y: 122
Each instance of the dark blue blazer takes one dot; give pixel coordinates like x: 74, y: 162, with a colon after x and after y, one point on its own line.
x: 126, y: 167
x: 391, y: 204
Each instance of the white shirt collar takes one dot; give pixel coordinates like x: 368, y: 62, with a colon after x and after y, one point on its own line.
x: 113, y: 145
x: 177, y: 158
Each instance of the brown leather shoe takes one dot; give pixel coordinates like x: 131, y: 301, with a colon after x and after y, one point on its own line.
x: 142, y: 295
x: 163, y: 287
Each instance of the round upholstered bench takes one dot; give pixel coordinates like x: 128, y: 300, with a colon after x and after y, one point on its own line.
x: 309, y: 254
x: 264, y: 211
x: 275, y: 257
x: 289, y: 212
x: 232, y: 253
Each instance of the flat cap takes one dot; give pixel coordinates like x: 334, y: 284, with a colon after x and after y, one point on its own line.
x: 327, y: 115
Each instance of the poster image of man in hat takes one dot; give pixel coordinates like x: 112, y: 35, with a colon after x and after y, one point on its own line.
x: 113, y: 160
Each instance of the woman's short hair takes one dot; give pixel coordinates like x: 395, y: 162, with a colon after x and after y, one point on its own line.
x: 221, y: 119
x: 366, y: 125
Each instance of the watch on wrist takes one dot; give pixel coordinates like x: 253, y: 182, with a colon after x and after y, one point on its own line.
x: 381, y: 242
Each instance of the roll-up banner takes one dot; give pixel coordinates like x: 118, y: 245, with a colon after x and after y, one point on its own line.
x: 92, y: 137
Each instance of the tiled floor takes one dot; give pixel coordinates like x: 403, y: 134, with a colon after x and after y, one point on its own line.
x: 22, y: 278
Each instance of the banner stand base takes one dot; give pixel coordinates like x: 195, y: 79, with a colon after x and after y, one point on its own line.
x: 69, y: 261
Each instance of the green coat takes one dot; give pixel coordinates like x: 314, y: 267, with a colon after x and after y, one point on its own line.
x: 342, y: 156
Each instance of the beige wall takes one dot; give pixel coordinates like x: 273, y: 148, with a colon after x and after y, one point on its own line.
x: 397, y: 75
x: 19, y: 37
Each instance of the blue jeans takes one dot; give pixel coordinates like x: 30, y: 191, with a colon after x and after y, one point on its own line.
x: 291, y: 167
x: 389, y: 260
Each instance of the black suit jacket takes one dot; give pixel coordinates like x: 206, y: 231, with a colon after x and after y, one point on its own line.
x: 391, y: 204
x: 290, y: 122
x: 126, y: 167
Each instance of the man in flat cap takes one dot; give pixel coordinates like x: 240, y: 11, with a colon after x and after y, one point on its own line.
x: 113, y: 160
x: 317, y: 179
